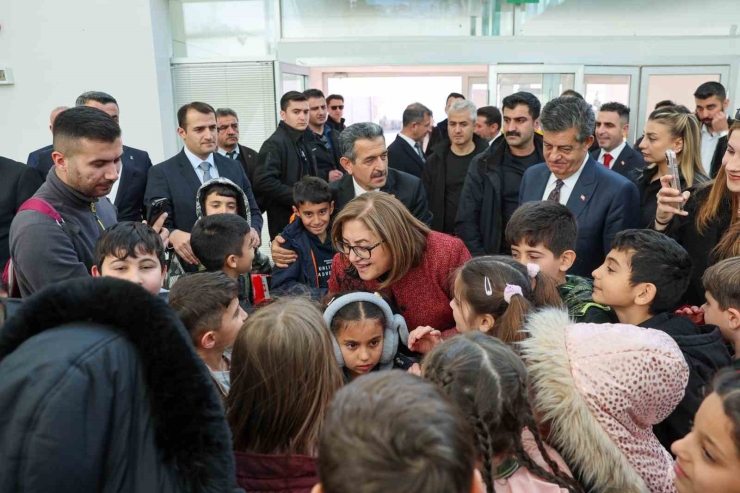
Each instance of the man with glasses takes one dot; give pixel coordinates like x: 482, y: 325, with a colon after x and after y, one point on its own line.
x: 335, y: 103
x: 227, y: 123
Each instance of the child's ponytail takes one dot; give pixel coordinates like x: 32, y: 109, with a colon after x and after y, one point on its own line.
x: 508, y: 327
x: 544, y: 292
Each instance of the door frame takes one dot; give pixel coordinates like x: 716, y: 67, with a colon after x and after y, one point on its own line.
x: 503, y: 68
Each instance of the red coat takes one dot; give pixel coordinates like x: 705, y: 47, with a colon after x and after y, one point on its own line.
x: 258, y: 473
x: 423, y: 295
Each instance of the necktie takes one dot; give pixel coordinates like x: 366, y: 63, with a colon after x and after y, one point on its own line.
x: 206, y: 167
x: 420, y: 152
x: 231, y: 155
x: 608, y: 160
x: 555, y: 194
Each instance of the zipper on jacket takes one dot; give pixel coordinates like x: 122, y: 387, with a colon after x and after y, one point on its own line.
x: 95, y: 214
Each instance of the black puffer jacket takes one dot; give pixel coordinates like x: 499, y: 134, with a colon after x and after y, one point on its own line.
x: 101, y: 390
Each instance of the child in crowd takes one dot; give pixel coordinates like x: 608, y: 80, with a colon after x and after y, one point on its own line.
x: 366, y: 334
x: 222, y: 243
x: 208, y: 306
x: 544, y: 290
x: 392, y: 432
x: 722, y: 292
x: 545, y: 233
x: 602, y: 388
x: 283, y: 375
x: 131, y: 251
x: 308, y: 236
x: 642, y: 279
x: 708, y: 458
x: 489, y: 296
x: 490, y: 384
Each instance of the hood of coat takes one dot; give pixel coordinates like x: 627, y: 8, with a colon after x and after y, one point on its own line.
x: 191, y: 429
x: 242, y: 203
x: 602, y: 388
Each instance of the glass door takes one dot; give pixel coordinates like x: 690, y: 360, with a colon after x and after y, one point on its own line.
x: 603, y: 84
x: 544, y: 81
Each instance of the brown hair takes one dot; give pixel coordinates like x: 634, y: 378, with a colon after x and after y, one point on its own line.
x: 719, y: 196
x: 473, y: 278
x: 686, y: 127
x: 727, y: 385
x: 545, y: 292
x: 722, y: 280
x: 200, y: 301
x: 392, y: 432
x: 402, y: 234
x: 491, y: 385
x: 283, y: 375
x: 182, y: 113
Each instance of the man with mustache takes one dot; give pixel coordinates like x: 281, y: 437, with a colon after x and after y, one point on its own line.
x: 365, y: 158
x: 711, y: 104
x: 490, y: 194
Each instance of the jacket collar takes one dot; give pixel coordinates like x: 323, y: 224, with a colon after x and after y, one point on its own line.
x: 191, y: 430
x: 295, y: 135
x: 67, y: 193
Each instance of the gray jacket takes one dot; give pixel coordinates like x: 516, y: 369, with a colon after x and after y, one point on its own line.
x: 44, y: 252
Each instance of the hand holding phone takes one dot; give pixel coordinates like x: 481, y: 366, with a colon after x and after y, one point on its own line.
x: 671, y: 159
x: 158, y: 207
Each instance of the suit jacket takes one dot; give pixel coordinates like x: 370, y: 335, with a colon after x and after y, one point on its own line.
x: 33, y: 157
x: 130, y: 197
x: 176, y: 180
x: 603, y: 202
x: 629, y: 160
x: 403, y: 157
x: 719, y: 153
x: 405, y: 187
x: 18, y: 184
x: 249, y: 158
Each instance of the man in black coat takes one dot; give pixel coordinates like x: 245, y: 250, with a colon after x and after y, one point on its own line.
x: 445, y: 171
x: 365, y: 158
x: 322, y: 140
x: 19, y: 183
x: 284, y: 159
x: 103, y: 395
x: 612, y: 124
x: 335, y: 103
x: 491, y: 191
x: 179, y: 178
x: 439, y: 132
x: 406, y: 152
x: 227, y: 123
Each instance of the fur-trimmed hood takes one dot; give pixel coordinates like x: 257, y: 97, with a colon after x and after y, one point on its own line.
x: 88, y: 327
x: 602, y: 388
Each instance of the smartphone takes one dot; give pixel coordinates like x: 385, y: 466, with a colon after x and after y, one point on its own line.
x: 670, y: 158
x: 158, y: 207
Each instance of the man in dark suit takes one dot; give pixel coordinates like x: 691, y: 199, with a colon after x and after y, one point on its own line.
x: 19, y: 183
x: 612, y: 124
x: 227, y: 123
x: 603, y: 202
x: 335, y: 103
x: 322, y: 140
x: 365, y: 158
x: 406, y: 152
x: 33, y: 157
x: 179, y: 178
x: 439, y: 132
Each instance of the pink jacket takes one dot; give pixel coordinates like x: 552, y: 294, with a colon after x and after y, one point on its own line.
x: 602, y: 388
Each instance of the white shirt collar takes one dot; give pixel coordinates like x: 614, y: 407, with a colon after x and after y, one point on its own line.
x: 358, y: 189
x: 408, y: 139
x: 571, y: 181
x: 223, y: 152
x: 614, y: 153
x: 195, y: 160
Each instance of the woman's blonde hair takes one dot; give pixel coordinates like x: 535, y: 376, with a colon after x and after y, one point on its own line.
x: 386, y: 217
x: 283, y: 375
x: 684, y: 126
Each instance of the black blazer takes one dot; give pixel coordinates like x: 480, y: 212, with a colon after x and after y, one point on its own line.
x: 403, y: 157
x: 405, y: 187
x: 603, y: 202
x: 249, y: 158
x: 628, y: 161
x: 176, y: 180
x: 18, y: 184
x: 134, y: 170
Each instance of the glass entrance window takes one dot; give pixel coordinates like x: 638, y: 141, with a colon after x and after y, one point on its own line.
x: 602, y: 89
x: 293, y: 82
x: 508, y: 84
x: 678, y: 88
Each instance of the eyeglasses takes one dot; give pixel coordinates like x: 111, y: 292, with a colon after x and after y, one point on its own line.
x: 338, y: 107
x: 362, y: 252
x: 224, y: 128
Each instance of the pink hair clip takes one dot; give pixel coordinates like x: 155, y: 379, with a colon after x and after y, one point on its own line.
x: 533, y: 270
x: 511, y: 290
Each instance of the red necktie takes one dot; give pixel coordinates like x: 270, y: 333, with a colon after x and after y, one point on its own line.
x: 608, y: 160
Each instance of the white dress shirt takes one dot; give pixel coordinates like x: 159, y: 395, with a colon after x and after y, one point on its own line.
x: 709, y: 146
x: 358, y: 189
x: 568, y: 184
x: 114, y: 190
x: 223, y: 152
x: 614, y: 153
x: 195, y: 161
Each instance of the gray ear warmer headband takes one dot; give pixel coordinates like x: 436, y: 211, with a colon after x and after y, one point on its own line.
x: 395, y: 326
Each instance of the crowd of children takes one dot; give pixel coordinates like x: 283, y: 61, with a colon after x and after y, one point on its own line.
x: 555, y: 383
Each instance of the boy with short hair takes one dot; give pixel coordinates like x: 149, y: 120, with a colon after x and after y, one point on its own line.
x: 545, y: 233
x: 309, y: 237
x: 722, y: 308
x: 642, y: 279
x: 208, y: 305
x: 377, y: 435
x: 131, y: 251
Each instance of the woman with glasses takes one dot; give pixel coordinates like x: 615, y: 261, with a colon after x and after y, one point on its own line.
x: 383, y: 247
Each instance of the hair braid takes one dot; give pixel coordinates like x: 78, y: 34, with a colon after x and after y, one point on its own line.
x: 526, y: 460
x: 571, y: 484
x: 484, y: 446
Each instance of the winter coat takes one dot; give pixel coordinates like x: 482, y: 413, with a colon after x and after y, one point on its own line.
x: 479, y: 221
x: 102, y: 390
x: 260, y: 473
x: 602, y: 387
x: 705, y: 353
